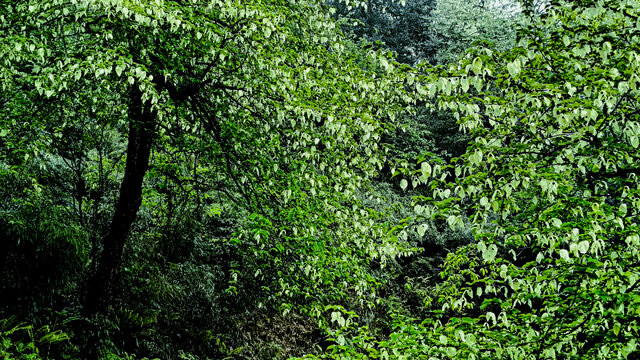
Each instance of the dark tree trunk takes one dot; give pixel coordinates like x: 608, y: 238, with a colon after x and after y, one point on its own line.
x: 140, y: 139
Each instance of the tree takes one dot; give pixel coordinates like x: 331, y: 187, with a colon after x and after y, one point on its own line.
x: 400, y: 26
x: 278, y: 101
x: 454, y: 25
x: 551, y: 189
x: 551, y: 179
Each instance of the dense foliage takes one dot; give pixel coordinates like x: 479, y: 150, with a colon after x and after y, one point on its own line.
x: 261, y: 110
x: 550, y: 187
x: 402, y: 27
x: 552, y: 172
x: 284, y: 179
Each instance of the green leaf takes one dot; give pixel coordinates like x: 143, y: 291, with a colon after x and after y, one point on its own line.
x: 425, y: 168
x: 422, y: 228
x: 403, y: 184
x: 489, y: 254
x: 477, y: 65
x: 583, y: 246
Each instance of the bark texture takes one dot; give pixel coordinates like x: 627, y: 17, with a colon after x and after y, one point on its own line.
x: 142, y: 123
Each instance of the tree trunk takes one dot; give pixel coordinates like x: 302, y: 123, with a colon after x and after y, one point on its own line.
x: 140, y: 139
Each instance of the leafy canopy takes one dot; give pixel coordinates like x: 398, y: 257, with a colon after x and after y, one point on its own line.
x: 550, y: 185
x: 282, y: 114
